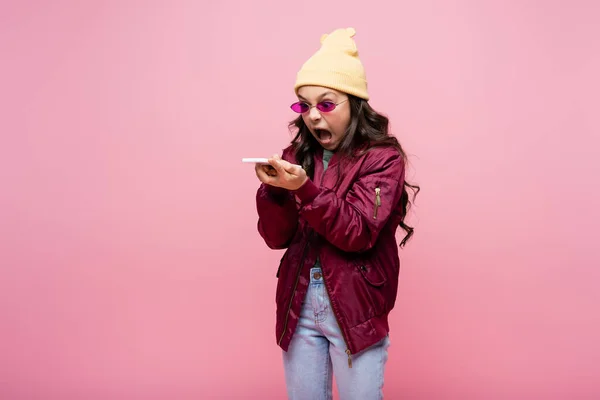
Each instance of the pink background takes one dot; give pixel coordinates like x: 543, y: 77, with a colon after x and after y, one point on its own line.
x: 130, y: 263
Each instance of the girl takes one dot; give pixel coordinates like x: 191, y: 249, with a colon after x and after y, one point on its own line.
x: 334, y: 200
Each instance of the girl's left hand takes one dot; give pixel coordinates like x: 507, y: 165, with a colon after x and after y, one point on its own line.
x: 289, y: 176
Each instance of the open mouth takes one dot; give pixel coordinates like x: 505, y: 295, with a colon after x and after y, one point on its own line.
x: 323, y: 135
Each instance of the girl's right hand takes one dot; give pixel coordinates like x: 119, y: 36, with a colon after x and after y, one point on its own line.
x: 265, y: 170
x: 284, y: 174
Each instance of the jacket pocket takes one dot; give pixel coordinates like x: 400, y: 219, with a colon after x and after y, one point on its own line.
x: 374, y: 287
x: 372, y: 274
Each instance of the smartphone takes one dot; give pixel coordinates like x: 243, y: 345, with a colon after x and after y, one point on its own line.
x: 256, y: 160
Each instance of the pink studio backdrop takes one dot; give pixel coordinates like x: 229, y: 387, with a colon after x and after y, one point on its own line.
x: 130, y: 265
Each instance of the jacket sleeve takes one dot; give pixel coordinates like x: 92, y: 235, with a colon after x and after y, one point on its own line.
x: 277, y: 215
x: 353, y: 223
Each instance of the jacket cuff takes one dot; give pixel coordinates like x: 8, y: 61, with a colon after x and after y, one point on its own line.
x: 307, y: 192
x: 274, y: 190
x: 275, y: 194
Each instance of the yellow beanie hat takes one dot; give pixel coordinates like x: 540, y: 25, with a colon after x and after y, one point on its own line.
x: 335, y: 65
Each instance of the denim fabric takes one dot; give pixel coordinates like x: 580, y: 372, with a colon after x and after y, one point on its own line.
x: 318, y: 351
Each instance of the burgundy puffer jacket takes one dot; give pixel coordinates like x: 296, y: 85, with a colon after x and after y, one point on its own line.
x: 351, y: 229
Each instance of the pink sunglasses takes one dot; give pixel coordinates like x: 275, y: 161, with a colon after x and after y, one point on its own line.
x: 302, y: 107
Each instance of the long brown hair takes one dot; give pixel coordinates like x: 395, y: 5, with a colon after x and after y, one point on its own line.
x: 367, y: 129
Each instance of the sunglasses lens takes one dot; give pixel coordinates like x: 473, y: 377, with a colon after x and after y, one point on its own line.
x: 326, y: 106
x: 300, y: 107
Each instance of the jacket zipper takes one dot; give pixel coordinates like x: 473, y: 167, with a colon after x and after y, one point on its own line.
x: 300, y: 267
x: 377, y: 201
x: 334, y: 313
x: 338, y: 322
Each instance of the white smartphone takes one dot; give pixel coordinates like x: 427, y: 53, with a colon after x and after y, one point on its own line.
x: 255, y: 160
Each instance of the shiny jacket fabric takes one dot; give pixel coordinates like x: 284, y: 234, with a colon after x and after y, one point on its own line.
x: 351, y: 228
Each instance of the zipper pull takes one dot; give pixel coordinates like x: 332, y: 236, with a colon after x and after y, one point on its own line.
x: 377, y: 201
x: 349, y: 358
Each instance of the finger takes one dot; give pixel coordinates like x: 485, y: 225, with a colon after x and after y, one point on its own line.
x: 284, y: 164
x: 261, y: 174
x: 264, y: 178
x: 295, y: 170
x: 271, y: 171
x: 267, y: 168
x: 276, y: 157
x: 277, y: 164
x: 289, y: 167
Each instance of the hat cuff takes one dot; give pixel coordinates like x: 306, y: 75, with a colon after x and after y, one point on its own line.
x: 334, y: 80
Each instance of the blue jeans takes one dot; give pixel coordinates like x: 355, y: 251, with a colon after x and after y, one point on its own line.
x: 317, y: 351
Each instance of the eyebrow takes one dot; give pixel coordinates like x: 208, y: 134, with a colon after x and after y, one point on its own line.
x: 320, y: 97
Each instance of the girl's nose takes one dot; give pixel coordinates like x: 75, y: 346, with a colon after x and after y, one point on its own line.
x: 314, y: 114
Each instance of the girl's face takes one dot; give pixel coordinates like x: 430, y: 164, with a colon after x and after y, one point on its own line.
x: 329, y: 122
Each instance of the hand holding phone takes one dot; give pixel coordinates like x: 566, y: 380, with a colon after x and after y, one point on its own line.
x: 280, y: 173
x: 262, y: 164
